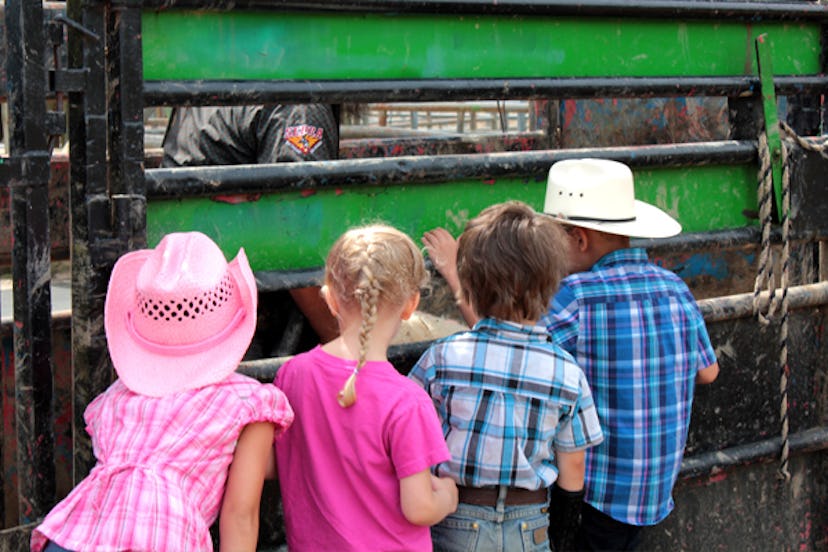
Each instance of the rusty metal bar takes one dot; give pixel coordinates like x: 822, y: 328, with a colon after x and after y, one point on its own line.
x: 196, y: 181
x: 275, y: 280
x: 717, y: 309
x: 708, y: 463
x: 402, y: 356
x: 17, y: 538
x: 731, y: 307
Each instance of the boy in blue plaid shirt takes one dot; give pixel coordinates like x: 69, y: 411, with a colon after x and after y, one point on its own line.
x: 516, y: 410
x: 636, y: 330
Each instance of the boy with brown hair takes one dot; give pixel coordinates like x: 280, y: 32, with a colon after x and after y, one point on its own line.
x: 516, y: 410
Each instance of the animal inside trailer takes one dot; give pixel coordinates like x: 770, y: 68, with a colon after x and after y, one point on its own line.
x: 750, y: 198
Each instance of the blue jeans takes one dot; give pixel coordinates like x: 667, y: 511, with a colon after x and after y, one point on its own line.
x: 493, y: 529
x: 52, y: 547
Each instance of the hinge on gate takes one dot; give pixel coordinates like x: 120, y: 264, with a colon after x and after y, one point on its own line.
x: 68, y: 80
x: 71, y: 23
x: 62, y: 80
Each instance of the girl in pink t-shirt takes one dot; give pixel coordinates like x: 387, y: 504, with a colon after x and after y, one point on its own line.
x: 179, y: 435
x: 354, y: 469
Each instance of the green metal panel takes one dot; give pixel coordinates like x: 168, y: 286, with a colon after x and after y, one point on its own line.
x: 183, y: 45
x: 293, y: 230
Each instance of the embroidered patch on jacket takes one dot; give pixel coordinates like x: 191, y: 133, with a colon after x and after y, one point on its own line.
x: 304, y: 139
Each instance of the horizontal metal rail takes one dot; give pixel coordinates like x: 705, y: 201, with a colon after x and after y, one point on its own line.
x: 709, y: 463
x: 717, y: 309
x: 754, y: 11
x: 748, y: 236
x: 201, y: 181
x: 229, y: 92
x: 731, y: 307
x: 318, y: 196
x: 277, y: 280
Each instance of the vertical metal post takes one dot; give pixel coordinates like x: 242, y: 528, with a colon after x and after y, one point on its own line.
x: 31, y: 257
x: 126, y: 120
x: 823, y: 62
x: 544, y: 116
x: 108, y: 187
x: 91, y: 228
x: 770, y: 108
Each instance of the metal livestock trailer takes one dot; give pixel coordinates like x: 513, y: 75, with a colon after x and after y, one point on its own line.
x: 717, y: 107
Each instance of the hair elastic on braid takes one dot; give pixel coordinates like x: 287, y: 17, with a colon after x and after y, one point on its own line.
x: 347, y: 395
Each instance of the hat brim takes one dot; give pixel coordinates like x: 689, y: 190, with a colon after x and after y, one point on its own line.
x: 150, y: 372
x: 649, y: 222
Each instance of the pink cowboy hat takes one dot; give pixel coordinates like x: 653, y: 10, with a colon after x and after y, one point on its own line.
x: 179, y: 316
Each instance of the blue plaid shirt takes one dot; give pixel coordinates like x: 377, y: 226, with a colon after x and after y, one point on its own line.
x: 637, y: 332
x: 508, y: 398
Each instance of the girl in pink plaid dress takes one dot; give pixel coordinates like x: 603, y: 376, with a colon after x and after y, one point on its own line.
x: 179, y: 435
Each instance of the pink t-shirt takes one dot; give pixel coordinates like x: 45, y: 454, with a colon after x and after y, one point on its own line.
x: 162, y: 466
x: 340, y: 468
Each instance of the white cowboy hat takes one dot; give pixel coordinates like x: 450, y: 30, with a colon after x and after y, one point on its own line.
x: 599, y: 194
x: 179, y: 316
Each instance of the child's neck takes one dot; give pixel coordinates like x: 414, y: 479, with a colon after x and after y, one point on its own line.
x: 521, y: 321
x: 347, y: 344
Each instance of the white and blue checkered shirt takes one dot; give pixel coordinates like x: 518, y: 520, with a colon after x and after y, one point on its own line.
x: 508, y: 398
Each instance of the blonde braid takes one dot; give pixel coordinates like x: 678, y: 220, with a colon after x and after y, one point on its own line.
x: 373, y: 265
x: 368, y: 294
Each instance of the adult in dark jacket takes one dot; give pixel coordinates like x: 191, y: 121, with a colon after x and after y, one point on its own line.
x: 257, y: 134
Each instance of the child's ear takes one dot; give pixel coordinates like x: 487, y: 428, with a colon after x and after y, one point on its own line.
x: 330, y: 300
x: 410, y: 306
x: 581, y: 238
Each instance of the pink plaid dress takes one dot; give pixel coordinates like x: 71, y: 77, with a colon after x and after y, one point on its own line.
x: 162, y: 466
